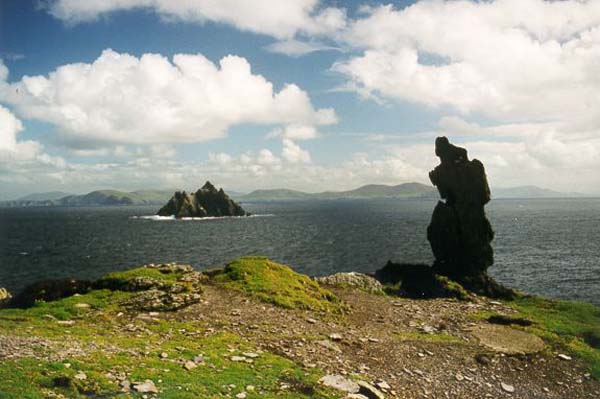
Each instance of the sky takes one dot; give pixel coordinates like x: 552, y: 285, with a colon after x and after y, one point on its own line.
x: 302, y: 94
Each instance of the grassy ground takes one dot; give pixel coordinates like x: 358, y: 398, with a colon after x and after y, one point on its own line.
x: 95, y: 335
x: 568, y: 326
x: 574, y: 326
x: 102, y: 340
x: 277, y: 284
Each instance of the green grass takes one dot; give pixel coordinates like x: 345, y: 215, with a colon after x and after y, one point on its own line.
x: 29, y: 378
x: 568, y: 326
x: 277, y: 284
x: 574, y: 326
x: 107, y: 345
x: 146, y: 272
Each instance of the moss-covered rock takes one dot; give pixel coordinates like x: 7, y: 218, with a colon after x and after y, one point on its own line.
x: 277, y: 284
x: 158, y: 288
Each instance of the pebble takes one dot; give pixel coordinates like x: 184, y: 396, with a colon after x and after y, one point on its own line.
x: 238, y: 358
x: 507, y: 387
x: 335, y: 337
x: 241, y: 395
x: 340, y: 383
x: 199, y: 359
x: 189, y: 365
x: 81, y: 376
x: 145, y: 387
x: 562, y: 356
x: 164, y: 355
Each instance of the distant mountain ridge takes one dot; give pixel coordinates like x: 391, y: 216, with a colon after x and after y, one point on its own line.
x: 159, y: 197
x: 405, y: 190
x: 94, y: 198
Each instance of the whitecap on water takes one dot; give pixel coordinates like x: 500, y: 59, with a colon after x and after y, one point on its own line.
x: 165, y: 218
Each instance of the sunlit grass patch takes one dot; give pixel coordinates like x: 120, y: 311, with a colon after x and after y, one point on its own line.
x: 277, y: 284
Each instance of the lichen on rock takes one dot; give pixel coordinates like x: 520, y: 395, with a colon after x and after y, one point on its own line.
x: 352, y: 280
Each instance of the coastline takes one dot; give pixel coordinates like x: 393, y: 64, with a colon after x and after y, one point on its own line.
x: 196, y: 334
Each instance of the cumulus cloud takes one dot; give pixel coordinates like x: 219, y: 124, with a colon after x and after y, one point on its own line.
x: 21, y: 160
x: 293, y: 153
x: 121, y: 98
x: 491, y: 57
x: 281, y: 18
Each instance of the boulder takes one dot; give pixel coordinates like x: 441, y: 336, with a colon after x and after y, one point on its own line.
x: 418, y: 281
x: 352, y: 280
x: 206, y: 202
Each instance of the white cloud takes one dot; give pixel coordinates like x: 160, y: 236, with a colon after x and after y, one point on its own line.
x: 120, y: 98
x: 22, y: 161
x: 508, y: 59
x: 281, y: 18
x: 293, y: 153
x: 10, y: 126
x: 294, y: 132
x: 297, y: 48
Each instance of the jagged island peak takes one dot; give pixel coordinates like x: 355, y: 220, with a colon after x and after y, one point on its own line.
x: 205, y: 202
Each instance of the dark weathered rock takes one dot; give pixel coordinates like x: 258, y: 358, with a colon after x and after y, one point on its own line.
x: 418, y: 281
x: 49, y: 290
x: 207, y: 201
x: 460, y: 233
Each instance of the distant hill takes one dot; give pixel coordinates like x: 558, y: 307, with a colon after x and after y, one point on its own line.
x: 95, y: 198
x: 406, y: 190
x: 530, y: 192
x: 114, y: 197
x: 274, y: 195
x: 160, y: 197
x: 49, y: 196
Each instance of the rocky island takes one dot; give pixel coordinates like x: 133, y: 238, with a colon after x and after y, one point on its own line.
x: 254, y: 328
x: 206, y: 202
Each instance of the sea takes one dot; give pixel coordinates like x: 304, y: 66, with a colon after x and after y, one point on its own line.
x: 548, y: 247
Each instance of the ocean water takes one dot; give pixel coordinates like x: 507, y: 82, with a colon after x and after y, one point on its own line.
x: 549, y: 247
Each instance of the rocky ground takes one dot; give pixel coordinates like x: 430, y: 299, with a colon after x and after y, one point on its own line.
x: 234, y: 341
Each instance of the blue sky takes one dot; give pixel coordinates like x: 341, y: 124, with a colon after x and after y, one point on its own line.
x: 373, y: 85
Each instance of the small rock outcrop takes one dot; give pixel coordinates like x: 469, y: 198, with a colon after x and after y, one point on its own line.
x: 206, y: 202
x: 352, y: 280
x: 154, y: 293
x: 460, y: 233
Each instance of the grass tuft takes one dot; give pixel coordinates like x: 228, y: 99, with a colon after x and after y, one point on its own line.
x: 277, y: 284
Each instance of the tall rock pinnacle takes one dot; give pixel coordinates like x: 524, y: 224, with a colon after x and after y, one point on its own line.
x: 460, y: 233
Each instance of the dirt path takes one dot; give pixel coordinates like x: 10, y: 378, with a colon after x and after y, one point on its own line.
x: 411, y: 348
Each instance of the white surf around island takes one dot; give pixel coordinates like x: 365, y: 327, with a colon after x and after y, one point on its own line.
x: 207, y: 218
